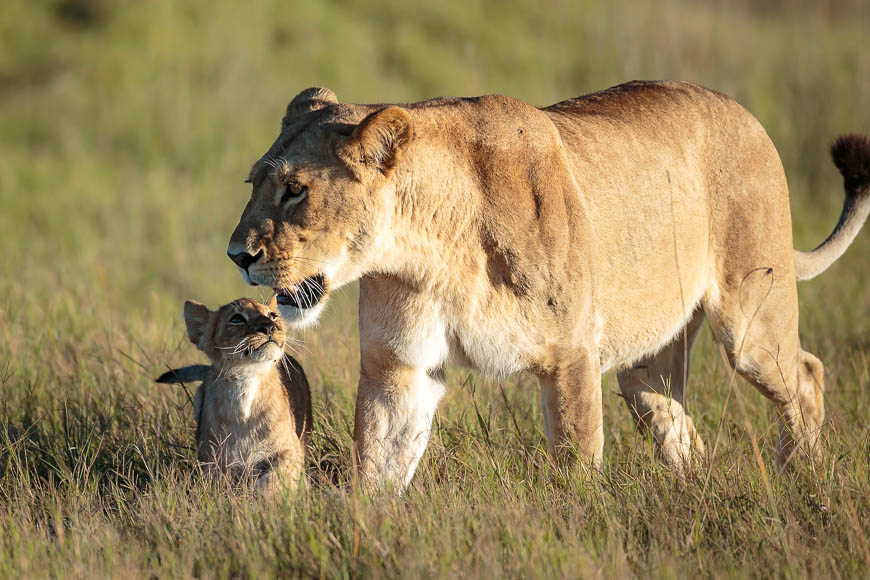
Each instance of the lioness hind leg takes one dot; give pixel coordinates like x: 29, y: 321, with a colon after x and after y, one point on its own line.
x: 756, y: 321
x: 654, y: 390
x: 571, y: 402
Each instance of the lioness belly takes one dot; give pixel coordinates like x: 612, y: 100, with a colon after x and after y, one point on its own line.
x: 655, y: 265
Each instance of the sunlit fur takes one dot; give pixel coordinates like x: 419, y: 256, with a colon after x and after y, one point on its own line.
x: 253, y: 409
x: 564, y: 241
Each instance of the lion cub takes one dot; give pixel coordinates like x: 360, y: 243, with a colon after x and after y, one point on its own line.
x: 253, y: 409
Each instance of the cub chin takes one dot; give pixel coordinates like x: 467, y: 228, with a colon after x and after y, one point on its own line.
x: 253, y: 409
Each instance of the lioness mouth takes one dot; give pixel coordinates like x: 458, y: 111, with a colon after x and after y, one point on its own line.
x: 304, y: 295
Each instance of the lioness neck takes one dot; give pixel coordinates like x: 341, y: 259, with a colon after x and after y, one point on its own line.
x: 435, y: 217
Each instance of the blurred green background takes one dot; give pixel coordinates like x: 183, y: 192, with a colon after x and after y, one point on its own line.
x: 126, y: 130
x: 127, y: 127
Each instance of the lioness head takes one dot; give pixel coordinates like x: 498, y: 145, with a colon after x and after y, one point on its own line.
x: 240, y: 333
x: 321, y: 195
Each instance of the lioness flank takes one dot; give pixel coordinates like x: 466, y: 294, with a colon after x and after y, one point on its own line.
x: 590, y: 235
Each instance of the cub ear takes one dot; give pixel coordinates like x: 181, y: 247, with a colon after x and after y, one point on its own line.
x: 308, y: 100
x: 196, y: 317
x: 379, y: 140
x: 272, y: 303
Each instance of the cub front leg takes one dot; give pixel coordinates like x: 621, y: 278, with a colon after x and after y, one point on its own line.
x: 394, y: 410
x: 284, y: 468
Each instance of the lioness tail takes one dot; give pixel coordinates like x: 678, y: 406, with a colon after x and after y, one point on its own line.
x: 851, y: 155
x: 184, y: 374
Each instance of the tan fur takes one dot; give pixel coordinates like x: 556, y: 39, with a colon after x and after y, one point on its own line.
x: 563, y: 241
x: 253, y: 408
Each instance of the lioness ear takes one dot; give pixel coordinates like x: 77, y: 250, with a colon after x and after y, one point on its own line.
x: 381, y: 138
x: 308, y: 100
x: 196, y: 317
x: 272, y: 303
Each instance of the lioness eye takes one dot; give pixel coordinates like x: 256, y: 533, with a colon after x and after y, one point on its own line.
x: 273, y: 316
x: 237, y: 319
x: 293, y: 190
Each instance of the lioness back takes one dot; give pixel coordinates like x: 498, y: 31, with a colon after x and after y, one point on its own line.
x: 661, y: 166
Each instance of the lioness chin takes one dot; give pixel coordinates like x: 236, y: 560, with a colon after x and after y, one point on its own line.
x: 594, y: 234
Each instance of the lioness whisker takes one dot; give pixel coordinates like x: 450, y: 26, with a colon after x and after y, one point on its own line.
x: 305, y: 301
x: 317, y: 285
x: 306, y: 259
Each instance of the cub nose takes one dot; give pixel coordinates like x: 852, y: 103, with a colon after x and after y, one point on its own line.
x: 243, y: 259
x: 267, y: 327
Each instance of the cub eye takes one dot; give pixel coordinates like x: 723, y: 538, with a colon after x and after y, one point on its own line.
x: 293, y: 191
x: 237, y: 319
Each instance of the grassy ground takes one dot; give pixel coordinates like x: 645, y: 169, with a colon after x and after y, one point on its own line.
x: 126, y: 130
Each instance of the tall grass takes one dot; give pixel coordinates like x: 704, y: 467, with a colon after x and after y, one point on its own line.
x: 126, y: 130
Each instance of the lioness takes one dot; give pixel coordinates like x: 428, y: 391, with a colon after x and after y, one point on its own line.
x: 253, y: 409
x: 590, y: 235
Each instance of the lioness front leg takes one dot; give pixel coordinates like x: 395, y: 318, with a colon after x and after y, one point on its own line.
x: 571, y: 401
x: 394, y: 411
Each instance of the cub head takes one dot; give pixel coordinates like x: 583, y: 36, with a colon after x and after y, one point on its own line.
x: 320, y: 198
x: 240, y: 333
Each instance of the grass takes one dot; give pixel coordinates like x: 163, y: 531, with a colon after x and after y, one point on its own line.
x: 127, y: 129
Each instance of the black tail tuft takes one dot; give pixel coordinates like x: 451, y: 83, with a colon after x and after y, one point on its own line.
x: 184, y: 375
x: 851, y: 155
x: 168, y: 377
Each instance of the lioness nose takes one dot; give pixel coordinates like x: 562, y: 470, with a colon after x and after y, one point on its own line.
x: 268, y: 328
x: 243, y: 259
